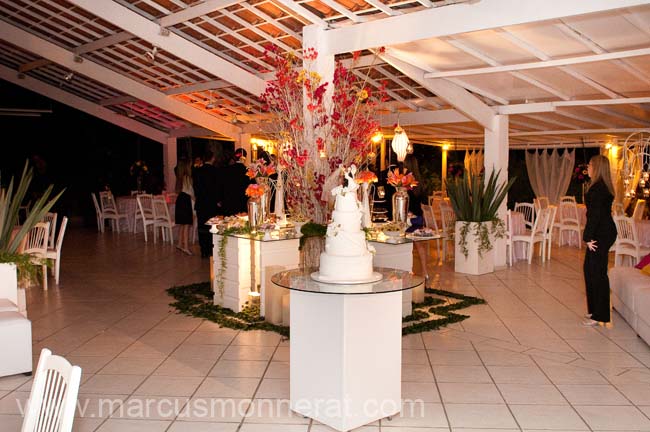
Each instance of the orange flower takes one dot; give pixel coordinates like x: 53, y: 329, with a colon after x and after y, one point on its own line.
x: 395, y: 178
x: 255, y: 191
x: 366, y: 176
x: 250, y: 173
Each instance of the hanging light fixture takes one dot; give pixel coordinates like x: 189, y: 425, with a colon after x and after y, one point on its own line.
x: 400, y: 143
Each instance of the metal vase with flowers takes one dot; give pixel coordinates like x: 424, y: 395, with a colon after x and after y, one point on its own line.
x: 265, y: 199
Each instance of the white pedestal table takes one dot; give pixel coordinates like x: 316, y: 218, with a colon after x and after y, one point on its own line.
x: 346, y: 347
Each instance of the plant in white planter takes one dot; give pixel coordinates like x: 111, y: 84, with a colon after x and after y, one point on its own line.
x: 476, y: 205
x: 12, y: 233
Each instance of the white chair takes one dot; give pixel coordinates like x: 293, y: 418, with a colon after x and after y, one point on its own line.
x: 548, y: 235
x: 98, y: 214
x: 110, y: 211
x: 568, y: 198
x: 51, y: 218
x: 448, y: 226
x: 145, y: 213
x: 53, y: 399
x: 569, y: 221
x: 36, y: 246
x: 528, y: 210
x: 55, y: 252
x: 627, y: 241
x: 536, y: 235
x: 162, y: 220
x: 639, y: 208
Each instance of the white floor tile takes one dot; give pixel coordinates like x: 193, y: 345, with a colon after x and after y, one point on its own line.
x: 555, y: 417
x: 480, y: 416
x: 614, y: 418
x: 469, y: 393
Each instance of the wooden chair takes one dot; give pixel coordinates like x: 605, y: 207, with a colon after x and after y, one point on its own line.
x: 528, y: 210
x: 55, y: 253
x: 51, y: 218
x: 536, y: 235
x: 98, y: 214
x: 36, y: 246
x: 627, y: 241
x: 53, y: 399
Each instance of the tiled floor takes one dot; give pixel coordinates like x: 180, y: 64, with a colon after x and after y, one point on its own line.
x: 521, y: 362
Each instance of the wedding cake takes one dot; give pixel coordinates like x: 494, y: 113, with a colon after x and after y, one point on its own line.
x: 347, y: 257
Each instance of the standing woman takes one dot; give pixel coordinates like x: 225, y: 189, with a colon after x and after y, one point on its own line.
x: 183, y: 212
x: 599, y: 234
x: 416, y: 199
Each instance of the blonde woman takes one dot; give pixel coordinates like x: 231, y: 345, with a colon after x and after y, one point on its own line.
x: 183, y: 212
x: 599, y: 235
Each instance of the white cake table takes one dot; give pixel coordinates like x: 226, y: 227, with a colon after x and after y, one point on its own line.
x: 346, y: 347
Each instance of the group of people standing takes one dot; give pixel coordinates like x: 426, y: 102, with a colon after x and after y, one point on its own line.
x: 216, y: 188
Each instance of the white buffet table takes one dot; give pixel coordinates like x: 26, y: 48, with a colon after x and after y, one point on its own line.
x: 346, y: 347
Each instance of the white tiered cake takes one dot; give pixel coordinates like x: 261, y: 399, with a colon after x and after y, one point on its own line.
x: 347, y: 257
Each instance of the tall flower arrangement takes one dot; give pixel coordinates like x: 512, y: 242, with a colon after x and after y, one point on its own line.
x: 320, y: 125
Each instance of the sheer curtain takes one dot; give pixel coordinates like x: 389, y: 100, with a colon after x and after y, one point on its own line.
x: 550, y: 173
x: 474, y: 161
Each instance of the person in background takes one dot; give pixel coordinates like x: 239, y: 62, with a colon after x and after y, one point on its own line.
x: 207, y: 196
x: 234, y: 195
x: 599, y: 234
x: 417, y: 197
x: 184, y: 216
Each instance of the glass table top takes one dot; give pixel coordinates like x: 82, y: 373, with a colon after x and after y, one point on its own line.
x: 391, y: 280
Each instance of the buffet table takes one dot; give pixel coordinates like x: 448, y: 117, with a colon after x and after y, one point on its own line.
x: 250, y: 260
x: 346, y: 347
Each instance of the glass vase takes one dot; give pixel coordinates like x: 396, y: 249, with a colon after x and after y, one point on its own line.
x: 400, y: 205
x: 265, y: 199
x: 254, y: 214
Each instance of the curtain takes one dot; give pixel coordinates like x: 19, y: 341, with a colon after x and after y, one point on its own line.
x: 474, y: 162
x: 550, y: 173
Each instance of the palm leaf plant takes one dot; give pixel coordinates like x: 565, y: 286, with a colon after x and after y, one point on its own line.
x: 10, y: 240
x: 475, y: 201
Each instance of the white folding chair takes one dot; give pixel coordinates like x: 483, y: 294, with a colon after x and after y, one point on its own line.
x: 162, y: 220
x: 53, y: 399
x: 55, y: 253
x: 51, y: 218
x: 448, y: 226
x: 567, y: 198
x: 639, y: 208
x: 509, y: 234
x: 548, y: 235
x: 98, y: 214
x: 145, y: 212
x: 528, y: 210
x: 36, y: 246
x: 569, y: 221
x: 627, y: 241
x: 111, y: 212
x: 536, y: 235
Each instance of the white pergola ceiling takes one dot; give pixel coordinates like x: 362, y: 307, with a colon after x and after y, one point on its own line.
x: 567, y: 72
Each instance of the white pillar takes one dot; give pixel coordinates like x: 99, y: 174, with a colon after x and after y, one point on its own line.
x: 169, y: 163
x: 445, y: 151
x: 496, y: 157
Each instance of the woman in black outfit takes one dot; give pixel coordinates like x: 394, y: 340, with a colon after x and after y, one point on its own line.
x: 416, y: 199
x: 599, y: 234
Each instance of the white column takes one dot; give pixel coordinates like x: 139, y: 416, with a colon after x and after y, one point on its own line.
x: 445, y: 151
x: 169, y: 163
x: 496, y: 157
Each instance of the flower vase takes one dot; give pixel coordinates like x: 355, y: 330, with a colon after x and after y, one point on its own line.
x: 400, y: 205
x: 265, y: 199
x: 254, y: 214
x: 366, y: 221
x: 585, y: 186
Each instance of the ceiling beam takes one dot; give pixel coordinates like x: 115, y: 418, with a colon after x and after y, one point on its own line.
x: 191, y: 12
x: 542, y: 64
x: 455, y: 95
x: 145, y: 29
x: 198, y: 87
x: 424, y: 118
x: 107, y: 41
x: 116, y: 80
x: 26, y: 67
x: 457, y: 19
x: 83, y: 105
x: 118, y: 100
x: 303, y: 12
x: 557, y: 132
x: 551, y: 106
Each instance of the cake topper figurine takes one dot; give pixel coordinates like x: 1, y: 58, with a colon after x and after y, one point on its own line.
x: 350, y: 185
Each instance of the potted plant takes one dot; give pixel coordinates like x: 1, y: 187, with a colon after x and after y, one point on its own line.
x: 14, y: 265
x: 477, y: 223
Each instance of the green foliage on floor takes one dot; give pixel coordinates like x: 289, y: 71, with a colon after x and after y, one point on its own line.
x: 437, y: 310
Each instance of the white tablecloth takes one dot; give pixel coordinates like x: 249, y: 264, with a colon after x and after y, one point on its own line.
x: 643, y: 231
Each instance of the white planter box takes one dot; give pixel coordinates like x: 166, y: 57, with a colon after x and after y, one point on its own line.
x: 473, y: 264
